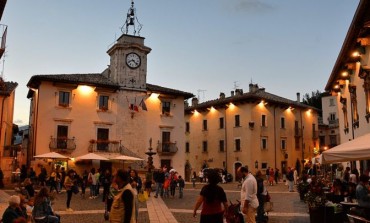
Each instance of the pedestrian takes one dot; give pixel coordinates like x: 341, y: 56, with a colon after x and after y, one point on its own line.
x: 69, y: 182
x: 173, y: 183
x: 213, y: 198
x: 42, y: 209
x: 106, y: 180
x: 268, y: 174
x: 194, y: 178
x: 148, y: 181
x: 91, y: 179
x: 123, y: 207
x: 97, y: 187
x: 84, y: 183
x: 201, y: 175
x: 271, y: 176
x: 248, y: 194
x: 113, y: 191
x: 290, y: 179
x: 159, y: 181
x: 12, y: 212
x: 62, y: 177
x: 133, y: 179
x: 32, y: 175
x: 42, y: 176
x: 181, y: 183
x: 261, y: 197
x: 53, y: 181
x: 295, y: 176
x: 276, y: 175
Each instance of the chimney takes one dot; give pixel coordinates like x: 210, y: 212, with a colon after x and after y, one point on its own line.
x: 232, y: 93
x: 298, y: 97
x: 222, y: 95
x: 194, y: 101
x: 253, y: 87
x: 186, y: 104
x: 238, y: 91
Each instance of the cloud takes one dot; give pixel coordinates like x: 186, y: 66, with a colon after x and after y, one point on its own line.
x: 18, y: 122
x: 250, y: 6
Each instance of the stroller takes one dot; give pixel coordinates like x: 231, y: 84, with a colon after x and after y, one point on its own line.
x: 233, y: 213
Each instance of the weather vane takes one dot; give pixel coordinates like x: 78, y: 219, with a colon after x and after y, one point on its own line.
x: 131, y: 20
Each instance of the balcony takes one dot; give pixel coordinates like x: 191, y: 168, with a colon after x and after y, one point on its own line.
x: 104, y: 146
x: 11, y: 151
x: 167, y: 148
x: 297, y: 132
x: 334, y: 123
x: 62, y: 145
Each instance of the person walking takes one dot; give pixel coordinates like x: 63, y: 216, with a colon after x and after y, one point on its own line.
x: 181, y: 183
x: 248, y: 194
x: 91, y: 179
x: 148, y: 181
x: 68, y: 183
x: 123, y: 207
x: 271, y: 176
x: 194, y: 178
x: 213, y: 198
x: 290, y: 179
x: 173, y: 183
x: 106, y: 180
x: 53, y: 181
x: 276, y: 175
x: 295, y: 176
x: 261, y: 198
x: 159, y: 180
x: 201, y: 175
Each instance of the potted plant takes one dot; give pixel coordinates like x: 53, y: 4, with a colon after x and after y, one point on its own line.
x: 302, y: 187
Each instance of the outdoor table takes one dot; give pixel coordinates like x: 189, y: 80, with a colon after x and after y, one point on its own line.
x: 347, y: 206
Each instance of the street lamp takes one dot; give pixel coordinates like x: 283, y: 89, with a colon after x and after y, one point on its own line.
x: 256, y: 164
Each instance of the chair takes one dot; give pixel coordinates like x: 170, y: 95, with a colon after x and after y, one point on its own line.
x: 357, y: 219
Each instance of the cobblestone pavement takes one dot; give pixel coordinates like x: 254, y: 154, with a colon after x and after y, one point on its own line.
x: 287, y: 206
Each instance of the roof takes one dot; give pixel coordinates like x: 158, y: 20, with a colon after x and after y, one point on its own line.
x: 2, y: 7
x: 252, y: 96
x: 7, y: 88
x: 98, y: 80
x: 356, y: 29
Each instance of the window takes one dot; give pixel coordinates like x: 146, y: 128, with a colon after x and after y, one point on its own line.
x: 263, y: 120
x: 296, y: 142
x: 263, y: 143
x: 333, y: 140
x: 237, y: 121
x: 205, y: 127
x: 166, y: 107
x: 282, y: 122
x: 221, y: 123
x: 166, y: 141
x: 237, y: 144
x: 263, y: 165
x: 102, y: 139
x: 283, y: 144
x: 187, y: 127
x: 222, y: 146
x: 62, y: 136
x: 322, y: 140
x: 205, y: 146
x: 64, y: 98
x: 332, y: 117
x: 187, y: 147
x: 331, y: 102
x: 103, y: 102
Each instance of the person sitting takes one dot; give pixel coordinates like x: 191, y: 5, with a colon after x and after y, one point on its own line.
x: 42, y: 210
x: 363, y: 195
x: 337, y: 191
x: 13, y: 211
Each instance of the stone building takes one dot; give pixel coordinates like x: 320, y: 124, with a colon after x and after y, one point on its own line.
x: 256, y: 128
x: 110, y: 113
x: 349, y: 81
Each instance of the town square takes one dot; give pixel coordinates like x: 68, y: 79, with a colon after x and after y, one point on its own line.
x: 212, y: 111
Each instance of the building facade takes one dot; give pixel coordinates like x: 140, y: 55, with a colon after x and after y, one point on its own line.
x: 349, y: 82
x: 329, y: 123
x: 109, y: 113
x: 256, y: 128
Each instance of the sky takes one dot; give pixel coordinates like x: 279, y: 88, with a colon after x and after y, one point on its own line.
x: 200, y: 46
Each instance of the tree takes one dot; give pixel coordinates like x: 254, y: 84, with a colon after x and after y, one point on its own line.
x: 314, y: 100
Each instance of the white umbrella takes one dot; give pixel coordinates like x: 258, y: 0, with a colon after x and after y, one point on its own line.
x: 127, y: 158
x: 51, y: 155
x: 91, y: 156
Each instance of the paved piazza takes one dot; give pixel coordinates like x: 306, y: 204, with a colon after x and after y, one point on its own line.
x: 287, y: 206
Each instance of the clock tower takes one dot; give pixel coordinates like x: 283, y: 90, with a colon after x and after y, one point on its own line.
x: 128, y: 56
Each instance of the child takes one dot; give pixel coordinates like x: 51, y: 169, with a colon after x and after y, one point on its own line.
x: 181, y: 183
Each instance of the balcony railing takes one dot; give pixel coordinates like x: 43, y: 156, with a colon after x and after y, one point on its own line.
x: 105, y: 146
x: 334, y: 123
x: 62, y: 144
x: 11, y: 151
x: 167, y: 148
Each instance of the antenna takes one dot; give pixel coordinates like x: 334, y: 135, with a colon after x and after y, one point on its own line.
x: 236, y: 85
x: 201, y: 91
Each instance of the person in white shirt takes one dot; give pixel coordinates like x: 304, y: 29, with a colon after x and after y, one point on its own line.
x: 248, y: 194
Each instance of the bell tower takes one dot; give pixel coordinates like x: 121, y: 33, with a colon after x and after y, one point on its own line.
x: 128, y: 55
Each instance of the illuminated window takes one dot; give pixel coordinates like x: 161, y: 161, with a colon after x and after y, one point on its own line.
x: 64, y: 98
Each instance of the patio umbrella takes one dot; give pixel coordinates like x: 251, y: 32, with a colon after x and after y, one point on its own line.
x: 91, y: 156
x: 51, y: 155
x: 127, y: 158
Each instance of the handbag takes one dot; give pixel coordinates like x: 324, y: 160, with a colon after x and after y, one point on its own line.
x: 75, y: 189
x: 268, y: 206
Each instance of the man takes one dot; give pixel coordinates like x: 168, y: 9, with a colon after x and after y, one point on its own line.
x: 248, y: 194
x: 159, y: 180
x: 13, y: 211
x: 123, y: 206
x: 290, y: 178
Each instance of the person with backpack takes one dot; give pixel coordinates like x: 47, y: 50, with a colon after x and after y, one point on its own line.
x: 181, y: 183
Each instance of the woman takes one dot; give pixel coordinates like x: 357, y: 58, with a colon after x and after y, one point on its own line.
x: 13, y: 211
x: 42, y: 209
x: 91, y: 179
x: 211, y: 196
x: 68, y: 183
x: 134, y: 183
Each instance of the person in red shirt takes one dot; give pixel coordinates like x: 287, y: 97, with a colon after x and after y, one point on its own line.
x: 213, y: 198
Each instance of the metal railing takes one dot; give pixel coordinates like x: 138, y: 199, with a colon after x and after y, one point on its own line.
x: 62, y: 144
x: 105, y: 146
x: 167, y: 148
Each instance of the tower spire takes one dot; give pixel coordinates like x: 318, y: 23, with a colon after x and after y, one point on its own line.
x: 132, y: 20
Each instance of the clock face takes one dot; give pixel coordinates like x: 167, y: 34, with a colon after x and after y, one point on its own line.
x: 133, y: 60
